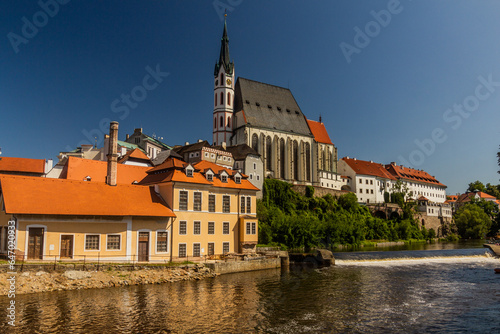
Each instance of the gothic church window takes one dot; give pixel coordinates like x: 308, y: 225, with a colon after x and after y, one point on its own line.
x: 255, y: 142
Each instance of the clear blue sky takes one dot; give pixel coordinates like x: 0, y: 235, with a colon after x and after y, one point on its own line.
x: 396, y: 89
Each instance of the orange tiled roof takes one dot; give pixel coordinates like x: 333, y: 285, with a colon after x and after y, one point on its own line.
x: 411, y: 174
x: 47, y: 196
x: 368, y: 168
x: 422, y: 198
x: 169, y: 163
x: 319, y: 131
x: 22, y: 165
x: 78, y: 169
x: 135, y: 154
x: 173, y: 171
x: 453, y: 197
x: 485, y: 195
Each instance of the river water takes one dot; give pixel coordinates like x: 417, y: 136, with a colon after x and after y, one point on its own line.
x: 438, y: 290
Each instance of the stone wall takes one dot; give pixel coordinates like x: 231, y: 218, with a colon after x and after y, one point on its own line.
x: 319, y: 191
x: 241, y: 266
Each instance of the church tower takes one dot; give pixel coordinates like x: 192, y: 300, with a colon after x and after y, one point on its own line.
x: 223, y: 93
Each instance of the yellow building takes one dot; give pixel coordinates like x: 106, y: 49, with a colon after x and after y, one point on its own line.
x: 215, y: 207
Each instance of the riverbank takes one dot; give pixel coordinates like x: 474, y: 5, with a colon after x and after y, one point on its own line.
x: 43, y: 281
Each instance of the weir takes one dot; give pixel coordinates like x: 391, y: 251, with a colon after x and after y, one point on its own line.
x: 494, y: 248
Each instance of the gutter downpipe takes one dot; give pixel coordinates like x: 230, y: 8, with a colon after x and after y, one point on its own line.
x: 172, y: 226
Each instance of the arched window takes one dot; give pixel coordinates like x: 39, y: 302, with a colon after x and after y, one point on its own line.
x: 221, y: 98
x: 215, y: 103
x: 295, y: 156
x: 221, y: 79
x: 228, y: 98
x: 215, y: 122
x: 255, y: 142
x: 282, y: 159
x: 268, y: 153
x: 221, y: 122
x: 229, y: 122
x: 308, y: 162
x: 330, y: 158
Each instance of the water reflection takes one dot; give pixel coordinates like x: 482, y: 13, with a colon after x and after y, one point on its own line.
x: 457, y: 295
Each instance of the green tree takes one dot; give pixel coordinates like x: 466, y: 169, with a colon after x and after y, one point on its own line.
x: 476, y: 186
x: 472, y: 222
x: 492, y: 190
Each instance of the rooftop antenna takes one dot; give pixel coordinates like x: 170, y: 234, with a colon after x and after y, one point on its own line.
x: 320, y: 118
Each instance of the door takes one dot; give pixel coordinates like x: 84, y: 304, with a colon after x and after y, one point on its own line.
x: 143, y: 246
x: 35, y: 243
x: 66, y: 246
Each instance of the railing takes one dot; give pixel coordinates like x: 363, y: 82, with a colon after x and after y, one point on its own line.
x: 96, y: 262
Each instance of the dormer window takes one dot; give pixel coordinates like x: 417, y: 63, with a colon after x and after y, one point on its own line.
x: 87, y: 178
x: 210, y: 177
x: 189, y: 172
x: 223, y: 178
x: 237, y: 179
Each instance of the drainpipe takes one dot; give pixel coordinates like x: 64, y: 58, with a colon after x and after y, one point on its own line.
x: 239, y: 223
x: 172, y: 225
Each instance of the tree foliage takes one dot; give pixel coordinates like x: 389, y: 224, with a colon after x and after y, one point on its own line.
x: 289, y: 219
x: 472, y: 222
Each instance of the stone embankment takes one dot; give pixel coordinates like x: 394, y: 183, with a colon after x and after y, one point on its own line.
x: 42, y: 281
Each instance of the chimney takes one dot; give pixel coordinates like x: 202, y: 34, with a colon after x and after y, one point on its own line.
x: 127, y: 136
x: 112, y: 154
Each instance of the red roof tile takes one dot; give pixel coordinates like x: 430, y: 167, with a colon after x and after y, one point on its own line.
x: 33, y: 195
x: 136, y: 154
x: 319, y: 131
x: 368, y: 168
x: 411, y: 174
x: 79, y: 169
x: 22, y: 165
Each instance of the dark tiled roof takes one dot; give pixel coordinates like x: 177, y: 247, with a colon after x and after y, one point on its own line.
x: 163, y: 155
x: 270, y: 107
x: 240, y: 152
x: 191, y: 147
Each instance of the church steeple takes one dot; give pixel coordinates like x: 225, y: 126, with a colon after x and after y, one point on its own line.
x: 223, y: 93
x: 224, y: 60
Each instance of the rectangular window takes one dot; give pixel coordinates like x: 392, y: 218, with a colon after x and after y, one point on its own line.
x: 371, y: 191
x: 211, y: 203
x: 183, y: 227
x: 225, y: 204
x: 242, y: 204
x: 210, y: 177
x: 211, y: 227
x: 360, y: 191
x: 251, y: 228
x: 183, y: 200
x: 225, y: 228
x: 223, y: 178
x: 189, y: 172
x: 196, y: 249
x: 197, y: 228
x: 211, y: 248
x: 197, y: 201
x: 92, y: 242
x: 237, y: 179
x: 249, y: 204
x: 360, y: 181
x: 367, y: 181
x: 371, y: 181
x: 225, y: 247
x: 113, y: 242
x: 162, y: 242
x: 182, y: 250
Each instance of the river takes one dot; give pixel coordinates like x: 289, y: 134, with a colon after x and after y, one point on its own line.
x: 441, y: 289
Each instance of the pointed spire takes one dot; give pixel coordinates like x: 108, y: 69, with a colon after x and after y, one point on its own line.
x: 224, y: 53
